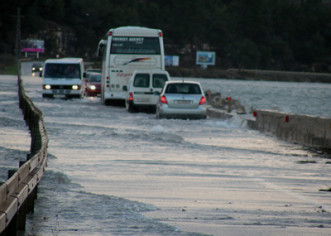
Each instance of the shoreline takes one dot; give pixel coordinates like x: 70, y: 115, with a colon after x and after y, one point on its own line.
x: 248, y: 74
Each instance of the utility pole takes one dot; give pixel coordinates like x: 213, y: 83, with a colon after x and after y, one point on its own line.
x: 18, y: 35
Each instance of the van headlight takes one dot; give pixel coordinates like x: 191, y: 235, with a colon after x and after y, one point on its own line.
x: 47, y: 86
x: 75, y: 87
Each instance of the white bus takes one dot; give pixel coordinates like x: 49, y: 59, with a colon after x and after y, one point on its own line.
x: 124, y: 50
x: 63, y: 77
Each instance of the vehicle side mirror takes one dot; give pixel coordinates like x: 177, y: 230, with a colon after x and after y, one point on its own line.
x: 125, y: 88
x: 41, y: 74
x: 84, y: 74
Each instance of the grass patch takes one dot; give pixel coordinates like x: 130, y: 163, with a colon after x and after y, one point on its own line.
x: 9, y: 70
x: 8, y: 64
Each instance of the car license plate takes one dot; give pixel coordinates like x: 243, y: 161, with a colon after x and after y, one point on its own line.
x: 58, y: 91
x: 142, y: 99
x: 183, y: 102
x: 61, y: 91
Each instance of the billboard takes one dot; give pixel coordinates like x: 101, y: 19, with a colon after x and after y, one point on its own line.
x: 205, y: 58
x: 171, y: 60
x: 32, y: 45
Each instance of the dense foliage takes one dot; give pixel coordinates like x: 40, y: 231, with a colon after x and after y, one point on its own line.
x: 264, y: 34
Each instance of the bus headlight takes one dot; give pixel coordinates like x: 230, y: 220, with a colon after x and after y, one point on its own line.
x: 47, y: 86
x: 75, y: 87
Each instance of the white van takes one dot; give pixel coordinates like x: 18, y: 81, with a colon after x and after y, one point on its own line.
x: 63, y: 77
x: 144, y: 89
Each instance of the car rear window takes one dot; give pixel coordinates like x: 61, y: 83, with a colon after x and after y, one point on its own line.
x: 141, y: 80
x: 183, y: 88
x: 159, y: 80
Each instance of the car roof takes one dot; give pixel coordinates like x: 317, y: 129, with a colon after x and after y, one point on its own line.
x: 94, y: 73
x: 93, y: 70
x: 182, y: 82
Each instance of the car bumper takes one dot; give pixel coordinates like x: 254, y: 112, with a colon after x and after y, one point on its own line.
x: 93, y: 92
x: 62, y: 92
x: 165, y: 111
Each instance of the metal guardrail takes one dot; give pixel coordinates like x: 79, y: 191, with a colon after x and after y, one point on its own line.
x: 18, y: 193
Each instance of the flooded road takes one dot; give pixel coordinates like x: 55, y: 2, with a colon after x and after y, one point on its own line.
x: 111, y: 172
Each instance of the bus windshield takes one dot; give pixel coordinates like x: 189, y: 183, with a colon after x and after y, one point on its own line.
x: 135, y: 45
x: 57, y: 70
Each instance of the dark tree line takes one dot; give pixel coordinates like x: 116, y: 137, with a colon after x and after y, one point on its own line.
x: 263, y: 34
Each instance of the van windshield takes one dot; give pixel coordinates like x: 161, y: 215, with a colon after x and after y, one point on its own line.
x: 159, y: 80
x: 60, y: 71
x: 135, y: 45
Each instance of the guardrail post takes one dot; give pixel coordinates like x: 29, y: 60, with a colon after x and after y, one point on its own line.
x: 30, y: 200
x: 11, y: 229
x: 21, y: 217
x: 22, y: 211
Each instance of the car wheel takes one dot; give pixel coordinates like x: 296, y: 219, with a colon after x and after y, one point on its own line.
x: 129, y: 107
x: 158, y: 115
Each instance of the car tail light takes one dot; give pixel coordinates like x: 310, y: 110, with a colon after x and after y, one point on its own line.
x: 163, y: 100
x: 131, y: 97
x: 202, y: 100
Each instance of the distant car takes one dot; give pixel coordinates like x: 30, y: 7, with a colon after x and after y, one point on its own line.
x: 182, y: 99
x: 93, y: 84
x: 37, y: 68
x: 144, y: 89
x: 91, y: 71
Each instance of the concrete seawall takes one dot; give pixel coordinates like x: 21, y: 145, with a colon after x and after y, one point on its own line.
x: 310, y: 131
x: 307, y: 130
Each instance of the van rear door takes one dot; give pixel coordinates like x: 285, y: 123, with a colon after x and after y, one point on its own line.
x: 142, y: 88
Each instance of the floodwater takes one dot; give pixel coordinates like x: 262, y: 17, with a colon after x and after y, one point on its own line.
x: 111, y: 172
x: 14, y: 135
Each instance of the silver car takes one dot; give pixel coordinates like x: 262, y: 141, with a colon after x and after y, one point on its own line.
x: 182, y: 99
